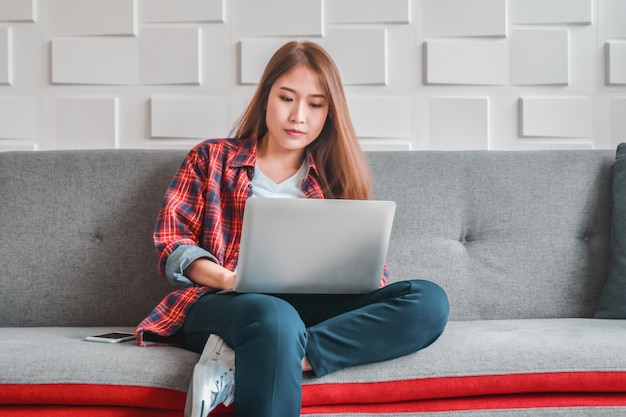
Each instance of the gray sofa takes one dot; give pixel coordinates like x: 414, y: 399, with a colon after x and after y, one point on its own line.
x: 519, y: 240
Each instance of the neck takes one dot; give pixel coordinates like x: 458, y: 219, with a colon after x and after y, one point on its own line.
x: 287, y: 159
x: 277, y: 164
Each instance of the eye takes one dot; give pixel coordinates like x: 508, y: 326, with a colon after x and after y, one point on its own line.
x: 287, y: 99
x: 316, y: 105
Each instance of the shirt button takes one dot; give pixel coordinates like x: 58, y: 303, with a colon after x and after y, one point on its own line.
x: 175, y: 324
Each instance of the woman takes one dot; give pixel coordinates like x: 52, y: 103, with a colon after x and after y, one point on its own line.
x: 295, y: 139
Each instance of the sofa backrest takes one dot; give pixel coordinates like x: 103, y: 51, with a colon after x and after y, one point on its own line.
x: 507, y: 234
x: 76, y: 236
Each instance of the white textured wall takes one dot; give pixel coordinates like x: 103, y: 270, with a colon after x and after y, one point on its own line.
x: 419, y: 74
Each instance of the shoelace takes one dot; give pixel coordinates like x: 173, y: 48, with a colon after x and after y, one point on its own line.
x: 223, y: 393
x: 224, y: 388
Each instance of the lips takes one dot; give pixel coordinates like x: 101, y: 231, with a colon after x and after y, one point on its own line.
x: 294, y: 132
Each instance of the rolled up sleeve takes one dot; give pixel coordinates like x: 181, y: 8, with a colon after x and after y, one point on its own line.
x: 180, y: 259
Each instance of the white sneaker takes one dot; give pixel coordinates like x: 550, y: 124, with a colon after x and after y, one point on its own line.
x: 213, y: 380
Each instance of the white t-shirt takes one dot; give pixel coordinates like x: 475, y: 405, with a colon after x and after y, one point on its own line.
x: 263, y: 186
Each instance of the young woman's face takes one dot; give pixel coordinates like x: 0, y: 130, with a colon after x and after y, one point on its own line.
x: 296, y: 110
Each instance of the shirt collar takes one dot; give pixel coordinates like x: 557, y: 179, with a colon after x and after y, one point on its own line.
x: 246, y: 156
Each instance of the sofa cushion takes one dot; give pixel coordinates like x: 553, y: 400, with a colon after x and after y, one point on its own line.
x: 486, y: 226
x: 613, y: 298
x: 54, y: 366
x: 508, y: 235
x: 474, y: 365
x: 489, y: 364
x: 50, y: 355
x: 77, y: 225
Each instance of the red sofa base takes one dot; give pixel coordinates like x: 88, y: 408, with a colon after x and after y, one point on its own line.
x: 537, y: 390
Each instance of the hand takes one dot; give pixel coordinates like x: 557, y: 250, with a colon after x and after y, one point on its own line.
x: 205, y: 272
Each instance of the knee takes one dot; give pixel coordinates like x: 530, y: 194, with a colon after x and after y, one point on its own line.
x: 435, y: 296
x: 431, y: 303
x: 269, y: 319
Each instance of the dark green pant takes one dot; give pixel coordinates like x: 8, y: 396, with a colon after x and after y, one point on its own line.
x: 271, y: 334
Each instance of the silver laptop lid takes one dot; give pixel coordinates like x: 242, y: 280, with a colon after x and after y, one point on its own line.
x: 313, y: 246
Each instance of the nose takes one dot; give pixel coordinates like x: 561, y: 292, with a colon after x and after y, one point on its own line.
x: 297, y: 113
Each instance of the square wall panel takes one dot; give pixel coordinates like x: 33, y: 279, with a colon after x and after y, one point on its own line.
x: 92, y: 17
x: 529, y: 12
x: 556, y: 117
x: 6, y: 56
x: 19, y: 117
x: 616, y: 62
x: 612, y: 18
x: 254, y: 54
x: 458, y: 123
x: 388, y: 117
x: 87, y: 123
x: 111, y: 61
x: 369, y: 11
x: 170, y: 56
x: 360, y: 55
x: 278, y: 17
x: 161, y: 11
x: 470, y: 62
x: 539, y: 57
x: 447, y: 18
x: 18, y: 10
x: 618, y: 120
x: 188, y: 117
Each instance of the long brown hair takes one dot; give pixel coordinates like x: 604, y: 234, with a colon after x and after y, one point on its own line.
x: 342, y: 166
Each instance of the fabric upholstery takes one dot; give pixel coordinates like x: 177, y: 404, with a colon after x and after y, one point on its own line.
x: 506, y: 234
x: 60, y: 355
x: 582, y: 411
x: 499, y: 357
x: 613, y: 300
x: 519, y: 240
x: 77, y: 227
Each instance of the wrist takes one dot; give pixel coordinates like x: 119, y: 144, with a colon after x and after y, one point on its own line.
x: 204, y: 271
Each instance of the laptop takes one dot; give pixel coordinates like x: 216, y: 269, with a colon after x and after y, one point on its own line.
x: 313, y: 246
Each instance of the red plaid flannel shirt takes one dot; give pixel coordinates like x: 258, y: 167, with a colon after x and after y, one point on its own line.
x: 203, y: 206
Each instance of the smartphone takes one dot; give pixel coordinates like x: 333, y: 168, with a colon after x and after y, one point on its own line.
x: 113, y: 337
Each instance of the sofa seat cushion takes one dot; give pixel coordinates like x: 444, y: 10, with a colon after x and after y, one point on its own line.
x: 491, y: 364
x: 54, y: 366
x: 475, y: 365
